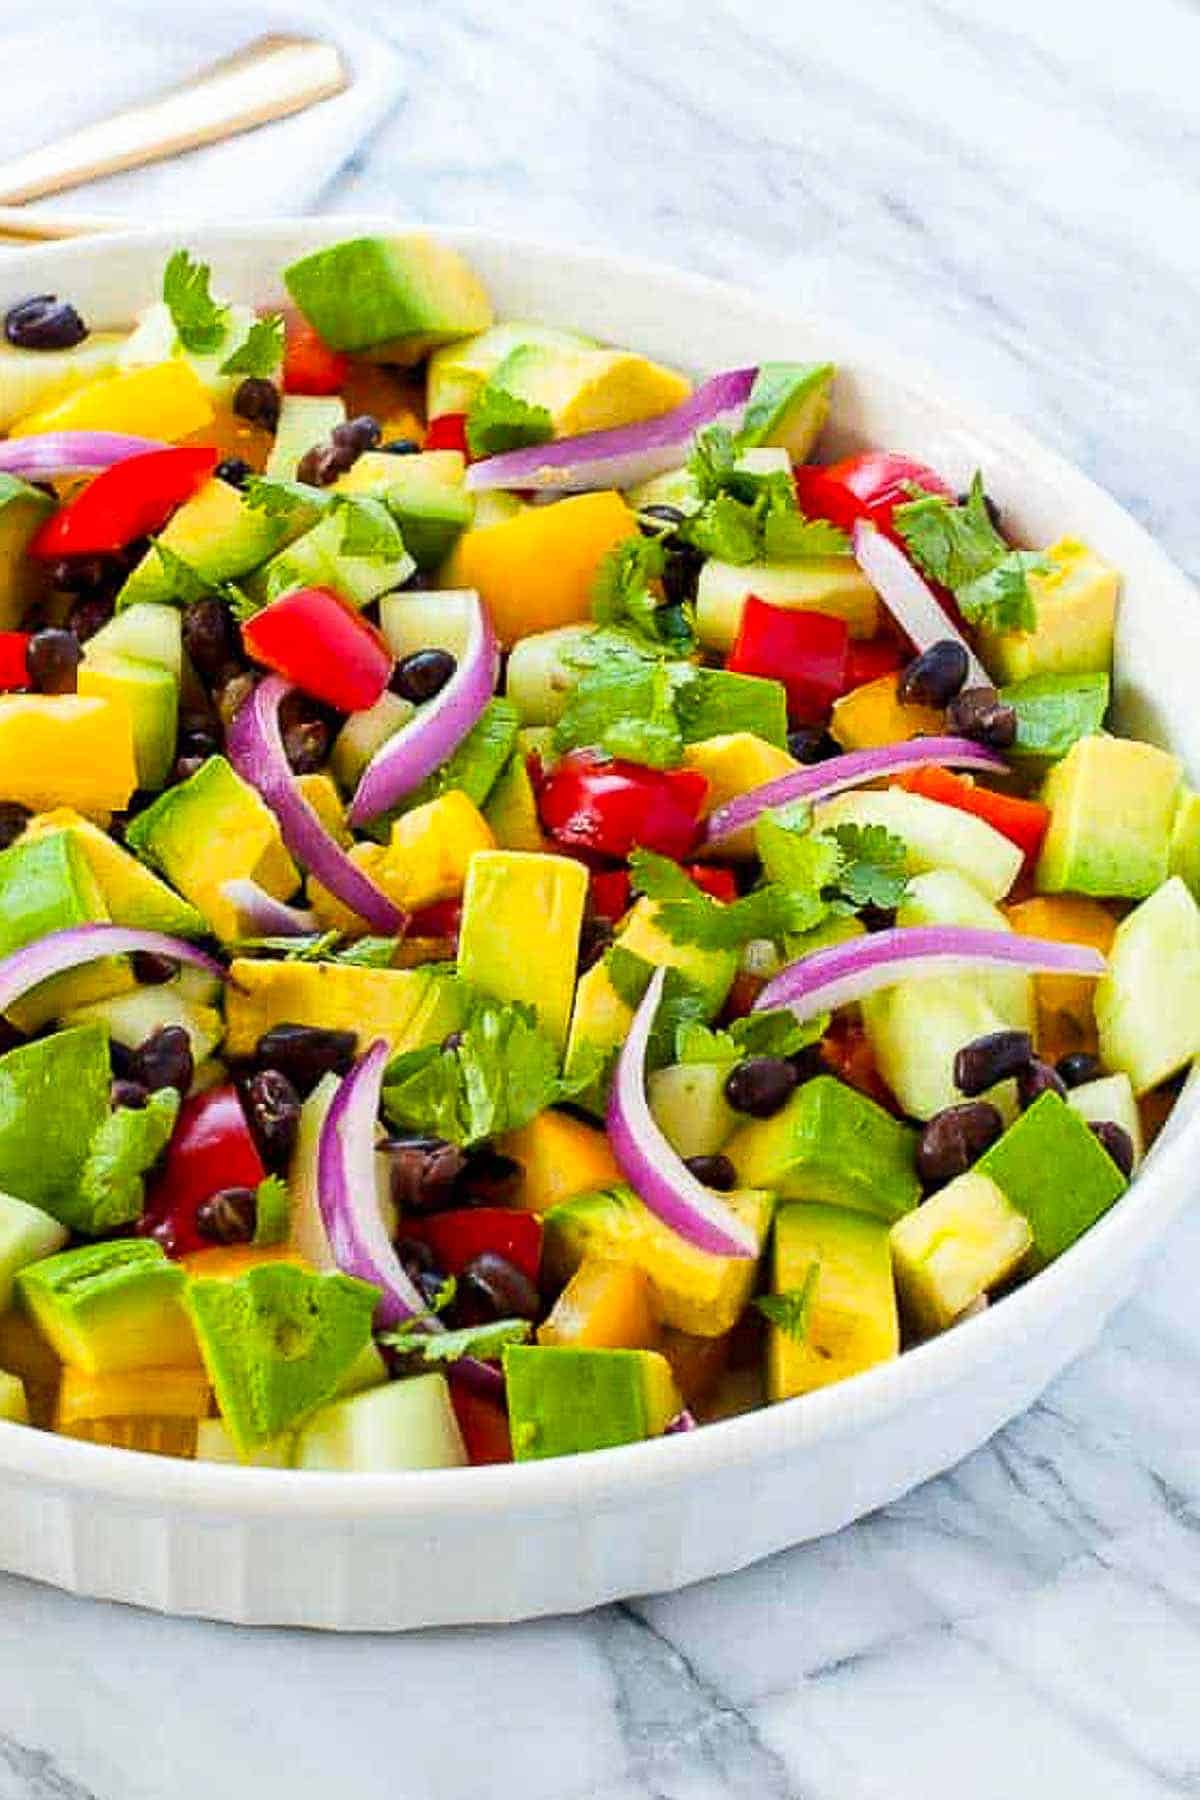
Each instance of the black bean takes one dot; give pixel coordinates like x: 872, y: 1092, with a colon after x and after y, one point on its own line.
x: 810, y: 744
x: 1036, y: 1079
x: 321, y: 465
x: 1078, y: 1067
x: 424, y: 1171
x: 980, y: 714
x: 306, y: 746
x: 258, y: 401
x: 81, y: 574
x: 415, y: 1257
x: 357, y: 435
x: 400, y: 447
x: 681, y: 572
x: 229, y: 1216
x: 935, y: 676
x: 87, y: 616
x: 199, y: 740
x: 807, y: 1062
x: 661, y: 514
x: 491, y: 1287
x: 760, y: 1085
x: 44, y: 322
x: 595, y: 937
x: 1117, y: 1142
x: 53, y: 658
x: 234, y: 471
x: 714, y: 1171
x: 956, y: 1138
x: 210, y: 636
x: 422, y: 675
x: 877, y: 918
x: 452, y: 1041
x: 304, y: 1053
x: 185, y: 767
x: 994, y: 1057
x: 273, y: 1109
x: 151, y: 969
x: 490, y: 1178
x: 126, y: 1093
x: 13, y: 819
x: 164, y: 1060
x: 990, y: 507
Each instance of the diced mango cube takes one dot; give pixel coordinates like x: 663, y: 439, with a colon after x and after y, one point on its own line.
x: 1066, y: 1019
x: 961, y: 1242
x: 430, y: 851
x: 873, y: 715
x: 131, y: 1393
x: 166, y: 401
x: 559, y: 1156
x: 66, y: 750
x: 605, y: 1305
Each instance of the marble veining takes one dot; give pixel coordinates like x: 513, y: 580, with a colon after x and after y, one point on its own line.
x: 1010, y: 191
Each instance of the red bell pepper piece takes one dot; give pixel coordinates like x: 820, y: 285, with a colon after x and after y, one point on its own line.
x: 1022, y: 822
x: 457, y: 1238
x: 441, y: 920
x: 610, y: 893
x: 846, y: 1050
x: 589, y: 802
x: 447, y: 432
x: 868, y: 486
x: 483, y: 1423
x: 870, y: 658
x: 711, y: 879
x: 14, y: 673
x: 211, y: 1148
x: 316, y: 639
x: 806, y: 651
x: 309, y: 365
x: 128, y: 501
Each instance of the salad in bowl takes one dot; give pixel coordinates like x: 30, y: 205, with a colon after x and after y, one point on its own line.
x: 537, y: 910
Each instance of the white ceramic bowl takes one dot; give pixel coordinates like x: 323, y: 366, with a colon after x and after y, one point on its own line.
x: 395, y: 1551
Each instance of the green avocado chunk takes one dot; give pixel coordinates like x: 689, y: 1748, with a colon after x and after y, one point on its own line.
x: 111, y: 1306
x: 1054, y: 712
x: 562, y: 1399
x: 788, y: 405
x: 53, y: 1100
x: 831, y: 1143
x: 1051, y: 1166
x: 402, y: 295
x: 276, y: 1343
x: 1112, y: 805
x: 1148, y: 1001
x: 124, y: 1147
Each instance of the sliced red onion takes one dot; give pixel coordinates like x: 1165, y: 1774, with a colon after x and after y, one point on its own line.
x: 255, y: 748
x: 349, y: 1199
x: 59, y: 951
x: 647, y: 1161
x: 418, y: 748
x: 264, y: 916
x: 626, y: 454
x: 482, y: 1378
x: 909, y: 598
x: 683, y: 1421
x: 843, y: 973
x: 840, y: 772
x: 71, y: 452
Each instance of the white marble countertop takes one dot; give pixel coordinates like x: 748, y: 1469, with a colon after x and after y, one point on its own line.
x: 1011, y: 190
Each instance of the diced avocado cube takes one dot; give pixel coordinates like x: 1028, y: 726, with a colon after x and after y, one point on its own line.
x: 944, y: 897
x: 690, y: 1109
x: 562, y: 1399
x: 395, y: 296
x: 850, y: 1322
x: 276, y: 1342
x: 132, y: 894
x: 411, y: 1008
x: 694, y: 1291
x: 579, y: 387
x: 424, y: 494
x: 219, y: 535
x: 1075, y: 597
x: 211, y: 829
x: 1185, y: 840
x: 151, y: 695
x: 406, y: 1425
x: 1148, y: 1004
x: 935, y: 836
x: 13, y: 1404
x: 1112, y: 805
x: 147, y: 631
x: 23, y: 509
x: 364, y: 733
x: 519, y: 937
x: 916, y: 1029
x: 831, y: 1143
x: 963, y: 1241
x: 1056, y: 1172
x: 26, y: 1235
x: 111, y: 1306
x: 305, y: 420
x: 1110, y: 1099
x: 1054, y: 712
x: 53, y: 1099
x: 428, y: 618
x: 459, y: 370
x: 46, y: 885
x: 326, y: 556
x: 825, y: 584
x: 788, y: 405
x: 512, y: 809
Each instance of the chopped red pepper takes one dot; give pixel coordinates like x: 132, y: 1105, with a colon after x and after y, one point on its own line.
x: 610, y: 893
x: 483, y: 1423
x: 589, y: 802
x: 868, y: 486
x: 309, y: 365
x: 128, y: 501
x: 447, y: 432
x: 316, y: 639
x: 846, y: 1050
x: 711, y: 879
x: 13, y: 670
x: 806, y: 651
x: 869, y: 659
x: 742, y: 995
x: 457, y: 1238
x: 441, y: 920
x: 1022, y: 822
x: 212, y: 1148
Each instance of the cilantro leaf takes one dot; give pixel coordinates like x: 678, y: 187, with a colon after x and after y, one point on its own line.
x: 712, y: 461
x: 791, y: 1310
x: 369, y: 953
x: 1001, y: 599
x: 726, y: 529
x: 627, y: 709
x: 429, y: 1349
x: 682, y: 1001
x: 658, y: 878
x: 748, y: 517
x: 624, y: 597
x: 501, y: 421
x: 789, y: 537
x: 690, y: 916
x: 799, y: 861
x: 260, y: 352
x: 873, y: 870
x: 774, y: 1033
x: 199, y: 320
x: 368, y: 529
x: 953, y: 544
x: 272, y: 1210
x: 280, y: 499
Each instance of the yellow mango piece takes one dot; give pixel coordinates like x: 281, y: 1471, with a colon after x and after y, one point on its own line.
x: 872, y: 715
x: 166, y: 401
x: 156, y: 1437
x: 852, y: 1322
x: 321, y: 793
x: 333, y: 913
x: 559, y: 1157
x: 604, y: 1306
x: 406, y: 1006
x: 733, y: 764
x: 66, y: 750
x: 1066, y: 1019
x: 431, y: 849
x: 130, y: 1393
x: 519, y: 938
x: 536, y: 570
x: 225, y: 1262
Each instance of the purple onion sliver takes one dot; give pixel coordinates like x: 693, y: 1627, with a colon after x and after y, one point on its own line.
x: 683, y: 1421
x: 71, y: 452
x: 263, y: 916
x: 60, y: 951
x: 909, y: 598
x: 843, y: 973
x: 648, y: 1162
x: 625, y: 454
